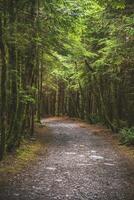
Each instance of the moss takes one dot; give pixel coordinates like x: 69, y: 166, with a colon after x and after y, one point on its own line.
x: 12, y: 164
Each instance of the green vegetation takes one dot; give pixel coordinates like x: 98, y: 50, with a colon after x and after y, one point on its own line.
x: 127, y: 136
x: 65, y: 57
x: 92, y: 78
x: 17, y: 161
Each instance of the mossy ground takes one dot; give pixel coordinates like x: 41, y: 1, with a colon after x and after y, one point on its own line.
x: 15, y: 162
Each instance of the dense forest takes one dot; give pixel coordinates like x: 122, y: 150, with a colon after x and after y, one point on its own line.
x: 65, y: 57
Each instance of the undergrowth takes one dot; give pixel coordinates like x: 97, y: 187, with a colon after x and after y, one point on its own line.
x: 95, y: 119
x: 15, y: 162
x: 127, y: 136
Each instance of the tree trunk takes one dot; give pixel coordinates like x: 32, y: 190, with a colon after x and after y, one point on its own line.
x: 3, y: 95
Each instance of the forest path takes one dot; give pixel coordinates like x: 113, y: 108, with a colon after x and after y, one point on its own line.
x: 79, y: 165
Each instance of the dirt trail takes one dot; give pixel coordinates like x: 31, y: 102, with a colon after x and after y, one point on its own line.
x: 79, y: 165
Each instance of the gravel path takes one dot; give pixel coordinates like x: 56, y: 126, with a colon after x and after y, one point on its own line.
x: 79, y: 165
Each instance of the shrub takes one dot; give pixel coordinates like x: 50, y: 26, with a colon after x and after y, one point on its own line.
x: 94, y: 119
x: 127, y: 136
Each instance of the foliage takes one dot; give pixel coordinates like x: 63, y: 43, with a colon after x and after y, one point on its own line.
x: 94, y: 119
x: 96, y: 62
x: 127, y: 136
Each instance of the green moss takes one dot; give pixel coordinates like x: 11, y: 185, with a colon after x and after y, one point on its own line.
x: 25, y: 154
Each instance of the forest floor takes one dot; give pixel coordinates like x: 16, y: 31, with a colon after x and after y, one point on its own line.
x: 82, y: 162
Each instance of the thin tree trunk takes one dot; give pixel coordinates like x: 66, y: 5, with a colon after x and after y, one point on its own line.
x: 3, y: 95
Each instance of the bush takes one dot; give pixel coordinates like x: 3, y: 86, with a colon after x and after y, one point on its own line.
x: 94, y: 119
x: 127, y: 136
